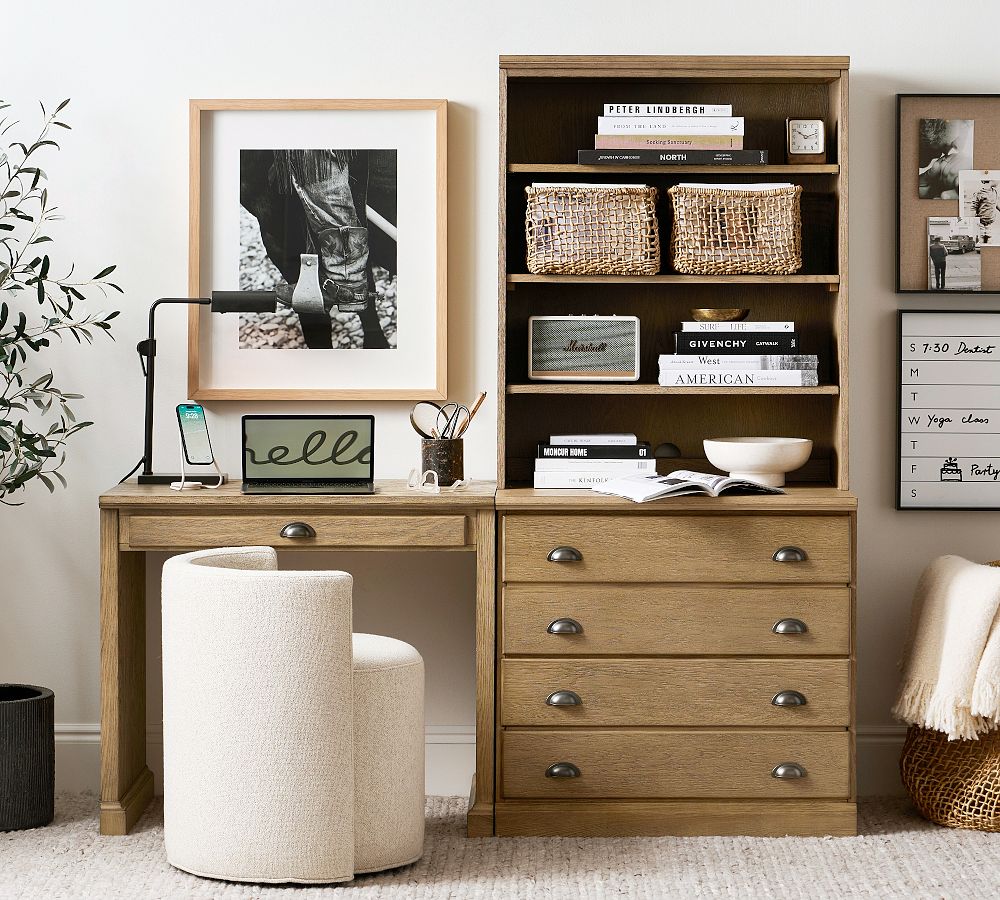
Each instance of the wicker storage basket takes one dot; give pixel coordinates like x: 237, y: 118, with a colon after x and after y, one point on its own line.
x: 953, y: 783
x: 734, y: 232
x: 587, y: 230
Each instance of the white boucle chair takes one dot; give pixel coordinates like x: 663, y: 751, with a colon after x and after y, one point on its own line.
x: 293, y: 751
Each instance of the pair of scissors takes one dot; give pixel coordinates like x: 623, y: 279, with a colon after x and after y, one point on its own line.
x: 439, y: 422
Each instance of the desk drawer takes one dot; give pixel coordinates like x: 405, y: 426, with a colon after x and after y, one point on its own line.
x: 676, y: 692
x: 631, y: 548
x: 359, y: 532
x: 676, y: 764
x: 660, y: 620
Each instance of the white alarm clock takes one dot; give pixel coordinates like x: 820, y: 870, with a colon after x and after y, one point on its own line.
x: 805, y: 140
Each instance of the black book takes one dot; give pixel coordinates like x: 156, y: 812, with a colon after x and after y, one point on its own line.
x: 595, y: 451
x: 671, y: 157
x: 742, y: 342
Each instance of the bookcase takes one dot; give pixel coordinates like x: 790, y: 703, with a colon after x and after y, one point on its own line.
x: 685, y: 666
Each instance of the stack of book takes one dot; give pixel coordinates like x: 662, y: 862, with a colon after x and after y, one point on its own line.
x: 670, y: 133
x: 735, y: 354
x: 585, y: 460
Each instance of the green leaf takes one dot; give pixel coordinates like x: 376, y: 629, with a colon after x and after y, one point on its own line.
x: 61, y: 106
x: 44, y: 479
x: 104, y: 273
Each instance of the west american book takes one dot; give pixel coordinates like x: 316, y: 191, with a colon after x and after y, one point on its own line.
x: 641, y: 450
x: 668, y: 109
x: 746, y: 378
x: 645, y: 157
x: 733, y: 361
x: 737, y: 326
x: 741, y: 342
x: 667, y: 142
x: 670, y: 125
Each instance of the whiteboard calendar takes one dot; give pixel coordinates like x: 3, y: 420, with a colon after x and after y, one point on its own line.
x: 949, y: 410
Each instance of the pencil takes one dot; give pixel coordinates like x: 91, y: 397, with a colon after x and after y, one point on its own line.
x: 472, y: 413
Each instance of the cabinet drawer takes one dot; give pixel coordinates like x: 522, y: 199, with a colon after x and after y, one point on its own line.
x: 659, y: 620
x: 723, y: 692
x: 632, y: 548
x: 182, y: 532
x: 675, y: 764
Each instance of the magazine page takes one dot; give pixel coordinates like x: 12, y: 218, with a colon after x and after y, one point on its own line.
x: 641, y: 488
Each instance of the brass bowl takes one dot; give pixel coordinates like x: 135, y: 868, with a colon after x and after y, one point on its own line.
x: 719, y: 315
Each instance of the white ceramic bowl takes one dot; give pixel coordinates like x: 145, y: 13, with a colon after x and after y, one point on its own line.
x: 761, y: 459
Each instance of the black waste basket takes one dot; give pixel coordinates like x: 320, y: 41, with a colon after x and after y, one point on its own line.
x: 27, y: 756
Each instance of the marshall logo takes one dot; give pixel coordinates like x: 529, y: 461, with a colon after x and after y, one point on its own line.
x: 575, y: 346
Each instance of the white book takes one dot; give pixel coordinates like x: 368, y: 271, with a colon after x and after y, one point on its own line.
x: 737, y: 362
x: 731, y: 126
x: 588, y: 440
x: 668, y: 109
x: 738, y: 378
x: 586, y: 478
x: 737, y: 326
x: 619, y: 466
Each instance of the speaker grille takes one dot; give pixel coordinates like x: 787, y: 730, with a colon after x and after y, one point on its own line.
x: 598, y: 348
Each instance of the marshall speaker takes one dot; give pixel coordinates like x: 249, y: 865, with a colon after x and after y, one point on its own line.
x: 583, y: 348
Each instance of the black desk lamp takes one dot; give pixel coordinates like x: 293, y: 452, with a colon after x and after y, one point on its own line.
x: 221, y: 302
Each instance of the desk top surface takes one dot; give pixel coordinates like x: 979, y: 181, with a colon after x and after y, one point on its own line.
x: 390, y: 493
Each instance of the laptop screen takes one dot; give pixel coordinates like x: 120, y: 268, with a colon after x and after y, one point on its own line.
x: 308, y: 447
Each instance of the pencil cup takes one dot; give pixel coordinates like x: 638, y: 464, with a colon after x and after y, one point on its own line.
x: 444, y: 457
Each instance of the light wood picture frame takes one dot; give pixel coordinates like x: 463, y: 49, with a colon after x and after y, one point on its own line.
x: 230, y: 357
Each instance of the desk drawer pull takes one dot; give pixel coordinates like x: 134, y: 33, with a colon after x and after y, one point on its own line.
x: 297, y: 530
x: 790, y: 555
x: 787, y: 771
x: 789, y: 626
x: 789, y: 698
x: 562, y: 770
x: 565, y: 626
x: 564, y: 698
x: 565, y: 555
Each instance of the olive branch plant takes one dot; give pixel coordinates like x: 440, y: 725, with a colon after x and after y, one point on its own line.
x: 36, y: 306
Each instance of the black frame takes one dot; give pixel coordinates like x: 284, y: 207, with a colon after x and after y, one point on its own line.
x: 314, y: 417
x: 899, y: 406
x: 899, y: 107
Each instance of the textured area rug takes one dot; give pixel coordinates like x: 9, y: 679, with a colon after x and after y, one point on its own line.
x: 897, y: 855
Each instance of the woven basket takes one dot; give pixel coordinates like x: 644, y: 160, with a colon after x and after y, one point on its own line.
x: 733, y: 232
x: 953, y: 783
x: 587, y: 230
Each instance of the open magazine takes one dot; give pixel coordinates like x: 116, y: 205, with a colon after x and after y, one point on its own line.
x: 641, y: 488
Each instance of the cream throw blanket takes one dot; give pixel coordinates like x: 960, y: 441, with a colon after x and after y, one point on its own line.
x: 951, y: 664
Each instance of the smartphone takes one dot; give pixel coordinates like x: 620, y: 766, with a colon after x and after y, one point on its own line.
x: 194, y: 434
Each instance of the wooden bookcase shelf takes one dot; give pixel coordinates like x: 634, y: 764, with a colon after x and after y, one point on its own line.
x: 548, y: 111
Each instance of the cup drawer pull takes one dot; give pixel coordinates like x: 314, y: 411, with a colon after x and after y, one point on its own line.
x: 562, y: 770
x: 565, y: 555
x: 790, y: 555
x: 789, y: 626
x: 788, y: 771
x: 565, y: 626
x: 564, y: 698
x: 789, y: 698
x: 296, y: 530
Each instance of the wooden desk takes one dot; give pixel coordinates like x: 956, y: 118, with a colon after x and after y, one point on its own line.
x: 136, y: 519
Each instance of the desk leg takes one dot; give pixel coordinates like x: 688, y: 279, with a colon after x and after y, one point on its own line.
x: 480, y: 821
x: 126, y: 782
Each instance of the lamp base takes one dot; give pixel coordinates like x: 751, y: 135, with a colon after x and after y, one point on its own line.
x: 203, y: 478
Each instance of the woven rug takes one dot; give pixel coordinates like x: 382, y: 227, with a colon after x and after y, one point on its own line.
x: 897, y: 855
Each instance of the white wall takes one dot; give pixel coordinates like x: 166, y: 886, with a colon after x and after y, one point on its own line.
x: 122, y: 183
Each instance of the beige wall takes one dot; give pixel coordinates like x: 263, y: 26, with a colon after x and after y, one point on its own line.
x: 122, y: 183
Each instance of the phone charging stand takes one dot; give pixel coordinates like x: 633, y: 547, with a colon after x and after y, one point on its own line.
x: 185, y: 485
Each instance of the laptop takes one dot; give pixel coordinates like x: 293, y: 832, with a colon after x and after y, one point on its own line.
x: 308, y: 454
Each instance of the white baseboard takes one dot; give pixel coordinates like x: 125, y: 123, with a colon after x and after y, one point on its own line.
x: 451, y: 758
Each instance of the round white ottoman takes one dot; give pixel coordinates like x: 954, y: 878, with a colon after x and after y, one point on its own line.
x: 388, y: 753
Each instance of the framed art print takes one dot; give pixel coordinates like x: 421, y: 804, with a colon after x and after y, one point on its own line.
x: 948, y: 193
x: 339, y: 207
x: 949, y: 410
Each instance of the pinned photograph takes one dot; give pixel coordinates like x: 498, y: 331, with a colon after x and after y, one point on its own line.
x: 979, y: 191
x: 953, y: 260
x: 945, y: 150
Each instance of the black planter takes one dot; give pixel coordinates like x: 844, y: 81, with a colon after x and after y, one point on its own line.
x: 27, y: 756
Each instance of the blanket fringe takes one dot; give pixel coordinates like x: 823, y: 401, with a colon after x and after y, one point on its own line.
x: 986, y: 702
x: 918, y: 705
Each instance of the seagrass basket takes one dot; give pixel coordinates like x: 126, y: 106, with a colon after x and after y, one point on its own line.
x: 590, y: 230
x: 736, y: 232
x: 953, y: 783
